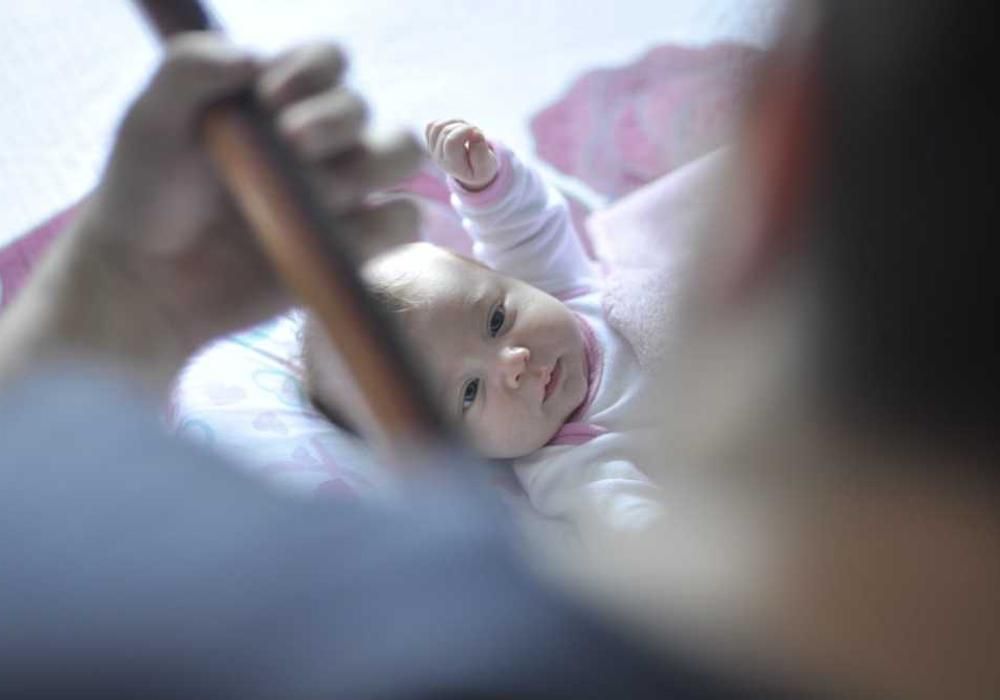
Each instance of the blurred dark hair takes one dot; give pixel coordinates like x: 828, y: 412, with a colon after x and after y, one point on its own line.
x: 905, y: 209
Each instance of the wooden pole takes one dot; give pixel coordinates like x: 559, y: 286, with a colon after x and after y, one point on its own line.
x: 295, y: 232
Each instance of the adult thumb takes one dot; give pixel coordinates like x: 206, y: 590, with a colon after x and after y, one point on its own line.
x: 198, y: 68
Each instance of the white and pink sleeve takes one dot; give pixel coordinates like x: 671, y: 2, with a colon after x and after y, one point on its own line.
x: 522, y: 228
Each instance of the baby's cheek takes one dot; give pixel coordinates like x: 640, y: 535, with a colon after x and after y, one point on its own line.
x: 486, y: 438
x: 530, y: 433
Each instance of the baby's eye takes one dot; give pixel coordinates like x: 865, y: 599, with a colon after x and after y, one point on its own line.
x: 497, y: 317
x: 469, y: 394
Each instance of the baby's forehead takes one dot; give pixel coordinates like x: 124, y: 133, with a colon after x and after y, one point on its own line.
x: 448, y: 266
x: 429, y: 275
x: 448, y: 305
x: 414, y: 256
x: 443, y: 295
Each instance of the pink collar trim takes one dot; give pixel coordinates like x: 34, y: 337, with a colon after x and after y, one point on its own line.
x: 574, y: 431
x: 594, y: 357
x: 576, y: 434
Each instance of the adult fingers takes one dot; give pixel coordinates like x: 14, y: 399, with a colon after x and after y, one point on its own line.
x: 324, y: 125
x: 347, y: 179
x: 300, y: 73
x: 197, y: 69
x: 375, y: 228
x: 433, y: 131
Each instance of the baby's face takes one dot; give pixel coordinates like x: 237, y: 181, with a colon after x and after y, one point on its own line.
x: 507, y: 359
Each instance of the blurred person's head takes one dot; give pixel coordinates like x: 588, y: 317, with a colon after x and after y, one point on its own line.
x: 865, y: 207
x: 837, y: 356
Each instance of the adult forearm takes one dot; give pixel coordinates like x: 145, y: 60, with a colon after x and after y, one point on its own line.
x: 80, y: 306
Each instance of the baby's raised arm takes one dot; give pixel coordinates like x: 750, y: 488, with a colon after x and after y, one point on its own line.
x: 521, y: 227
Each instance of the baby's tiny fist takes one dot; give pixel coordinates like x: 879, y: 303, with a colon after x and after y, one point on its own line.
x: 483, y: 163
x: 462, y: 151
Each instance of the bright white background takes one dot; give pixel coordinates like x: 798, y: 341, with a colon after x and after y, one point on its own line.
x: 68, y: 67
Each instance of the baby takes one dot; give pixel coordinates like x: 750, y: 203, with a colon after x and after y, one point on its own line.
x: 519, y: 351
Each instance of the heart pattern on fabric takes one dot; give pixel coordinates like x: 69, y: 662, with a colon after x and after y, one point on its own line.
x: 270, y: 422
x: 224, y: 395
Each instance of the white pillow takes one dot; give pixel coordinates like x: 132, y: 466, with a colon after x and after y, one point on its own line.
x: 243, y: 397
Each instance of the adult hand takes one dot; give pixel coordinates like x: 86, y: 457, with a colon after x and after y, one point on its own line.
x: 174, y: 230
x: 161, y: 261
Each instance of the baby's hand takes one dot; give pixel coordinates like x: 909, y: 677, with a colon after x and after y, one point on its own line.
x: 461, y: 150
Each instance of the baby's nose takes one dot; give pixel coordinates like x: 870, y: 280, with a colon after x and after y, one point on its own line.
x: 513, y: 363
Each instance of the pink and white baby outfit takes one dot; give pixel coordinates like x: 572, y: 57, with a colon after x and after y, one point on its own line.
x: 522, y: 228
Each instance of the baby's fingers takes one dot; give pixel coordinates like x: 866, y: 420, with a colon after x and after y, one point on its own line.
x: 324, y: 125
x: 301, y: 73
x: 434, y: 130
x: 372, y: 166
x: 481, y: 157
x: 452, y: 146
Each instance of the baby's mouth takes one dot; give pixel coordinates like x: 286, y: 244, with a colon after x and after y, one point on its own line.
x: 553, y: 381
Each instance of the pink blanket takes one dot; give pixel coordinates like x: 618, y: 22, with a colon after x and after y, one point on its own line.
x: 618, y: 129
x: 648, y: 135
x: 643, y: 242
x: 18, y: 258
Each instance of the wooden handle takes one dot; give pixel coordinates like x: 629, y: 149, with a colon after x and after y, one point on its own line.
x: 295, y: 232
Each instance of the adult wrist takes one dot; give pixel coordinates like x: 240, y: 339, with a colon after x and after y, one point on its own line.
x: 81, y: 305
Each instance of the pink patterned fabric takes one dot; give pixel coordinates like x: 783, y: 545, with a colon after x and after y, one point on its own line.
x: 617, y: 129
x: 18, y: 258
